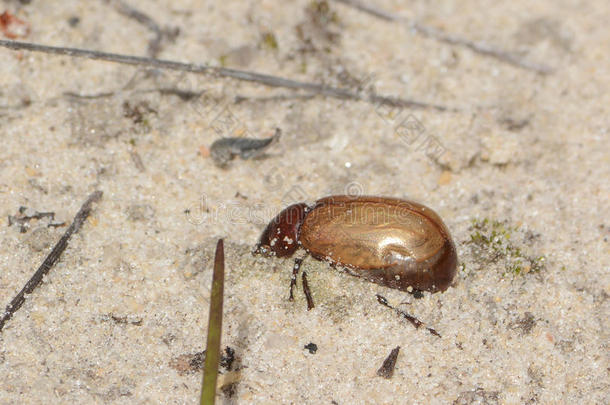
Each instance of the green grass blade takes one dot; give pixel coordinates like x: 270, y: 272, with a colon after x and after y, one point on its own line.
x: 212, y: 354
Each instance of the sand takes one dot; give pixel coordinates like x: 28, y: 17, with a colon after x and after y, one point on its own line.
x: 518, y: 170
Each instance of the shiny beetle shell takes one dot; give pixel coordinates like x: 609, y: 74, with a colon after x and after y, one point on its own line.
x: 392, y: 242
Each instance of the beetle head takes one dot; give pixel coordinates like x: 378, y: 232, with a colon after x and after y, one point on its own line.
x: 281, y: 236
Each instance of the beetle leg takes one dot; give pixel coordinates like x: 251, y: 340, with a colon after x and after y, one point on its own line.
x: 307, y: 292
x: 293, y: 279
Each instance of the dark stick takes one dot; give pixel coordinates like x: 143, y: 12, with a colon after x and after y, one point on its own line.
x: 51, y: 259
x: 413, y: 320
x: 88, y: 96
x: 243, y: 75
x: 387, y: 368
x: 438, y: 35
x: 307, y: 291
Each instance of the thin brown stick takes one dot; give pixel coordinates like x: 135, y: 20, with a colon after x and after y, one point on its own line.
x: 413, y: 320
x: 51, y: 259
x: 479, y: 47
x: 242, y: 75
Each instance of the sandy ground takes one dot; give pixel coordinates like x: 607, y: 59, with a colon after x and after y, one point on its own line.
x: 521, y: 179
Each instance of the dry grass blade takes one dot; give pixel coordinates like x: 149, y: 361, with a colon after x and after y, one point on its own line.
x: 212, y: 356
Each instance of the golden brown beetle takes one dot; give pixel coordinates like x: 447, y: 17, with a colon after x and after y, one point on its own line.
x: 392, y: 242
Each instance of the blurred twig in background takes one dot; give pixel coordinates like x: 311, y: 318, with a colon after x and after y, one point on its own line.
x: 479, y: 47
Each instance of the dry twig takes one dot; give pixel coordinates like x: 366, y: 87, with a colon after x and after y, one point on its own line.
x: 51, y: 259
x: 242, y: 75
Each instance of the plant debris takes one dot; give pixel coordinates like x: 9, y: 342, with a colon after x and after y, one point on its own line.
x: 493, y: 241
x: 311, y: 347
x: 191, y: 363
x: 387, y: 368
x: 122, y: 320
x: 154, y: 45
x: 525, y: 324
x: 25, y: 215
x: 212, y: 348
x: 413, y: 320
x: 477, y: 396
x: 242, y: 75
x: 13, y: 27
x: 224, y: 150
x: 51, y: 259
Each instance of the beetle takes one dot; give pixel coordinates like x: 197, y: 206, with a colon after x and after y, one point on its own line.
x: 392, y: 242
